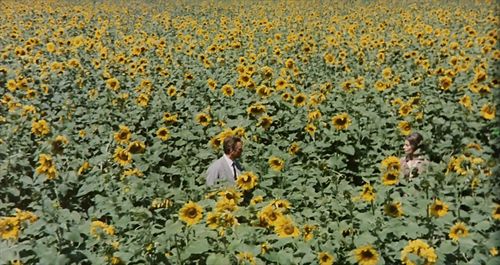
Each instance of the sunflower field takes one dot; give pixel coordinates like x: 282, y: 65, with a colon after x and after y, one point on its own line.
x: 112, y: 111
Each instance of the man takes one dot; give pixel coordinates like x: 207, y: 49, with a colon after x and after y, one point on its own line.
x: 226, y: 168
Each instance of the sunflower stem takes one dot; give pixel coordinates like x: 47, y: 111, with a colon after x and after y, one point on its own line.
x: 177, y: 250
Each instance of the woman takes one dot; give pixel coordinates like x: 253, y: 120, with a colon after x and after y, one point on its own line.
x: 414, y: 161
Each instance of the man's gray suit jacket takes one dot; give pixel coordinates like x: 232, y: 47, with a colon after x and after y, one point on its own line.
x: 220, y: 172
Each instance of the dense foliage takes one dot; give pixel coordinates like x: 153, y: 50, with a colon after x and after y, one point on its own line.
x: 111, y: 112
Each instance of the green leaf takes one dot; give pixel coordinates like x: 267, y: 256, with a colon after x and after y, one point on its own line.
x: 218, y: 259
x: 197, y: 247
x: 347, y: 149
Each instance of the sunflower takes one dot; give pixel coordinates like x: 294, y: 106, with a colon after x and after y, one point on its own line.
x: 280, y: 84
x: 264, y: 248
x: 163, y: 133
x: 40, y: 128
x: 246, y: 257
x: 213, y: 220
x: 227, y: 219
x: 47, y: 166
x: 496, y: 212
x: 256, y: 200
x: 390, y: 178
x: 265, y: 122
x: 59, y: 143
x: 286, y: 228
x: 404, y: 128
x: 480, y: 75
x: 113, y: 84
x: 313, y: 115
x: 98, y: 228
x: 329, y: 58
x: 212, y: 84
x: 191, y: 213
x: 387, y: 73
x: 366, y: 255
x: 225, y: 205
x: 488, y: 111
x: 256, y: 109
x: 367, y: 193
x: 172, y: 91
x: 391, y: 163
x: 269, y: 216
x: 294, y: 148
x: 51, y: 47
x: 123, y: 135
x: 311, y: 129
x: 276, y: 163
x: 380, y: 85
x: 289, y: 63
x: 263, y: 91
x: 308, y: 231
x: 300, y: 100
x: 203, y: 119
x: 286, y: 96
x: 136, y: 147
x: 9, y: 228
x: 458, y: 230
x: 122, y: 156
x: 84, y: 167
x: 445, y: 83
x: 246, y: 181
x: 227, y: 90
x: 466, y: 102
x: 418, y: 249
x: 493, y: 251
x: 393, y: 209
x: 438, y: 208
x: 325, y: 258
x: 341, y: 121
x: 281, y: 204
x: 405, y: 109
x: 230, y: 194
x: 169, y: 118
x: 143, y: 100
x: 267, y: 72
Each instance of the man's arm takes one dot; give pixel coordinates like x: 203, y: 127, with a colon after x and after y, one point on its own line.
x: 212, y: 174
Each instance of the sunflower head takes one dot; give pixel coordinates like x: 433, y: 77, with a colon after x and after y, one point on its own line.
x: 227, y: 90
x: 366, y: 255
x: 404, y: 128
x: 390, y: 178
x: 368, y: 194
x: 496, y: 212
x: 299, y: 100
x: 276, y: 163
x: 137, y: 147
x: 325, y: 258
x: 122, y: 156
x: 458, y: 230
x: 191, y: 213
x: 393, y: 209
x: 438, y: 208
x: 203, y: 119
x: 246, y: 181
x: 294, y: 148
x: 391, y: 163
x: 341, y: 121
x: 265, y: 122
x: 418, y: 249
x: 286, y: 228
x: 488, y: 111
x: 123, y: 135
x: 163, y: 133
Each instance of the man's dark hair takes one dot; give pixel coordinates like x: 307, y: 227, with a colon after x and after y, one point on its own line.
x: 230, y: 143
